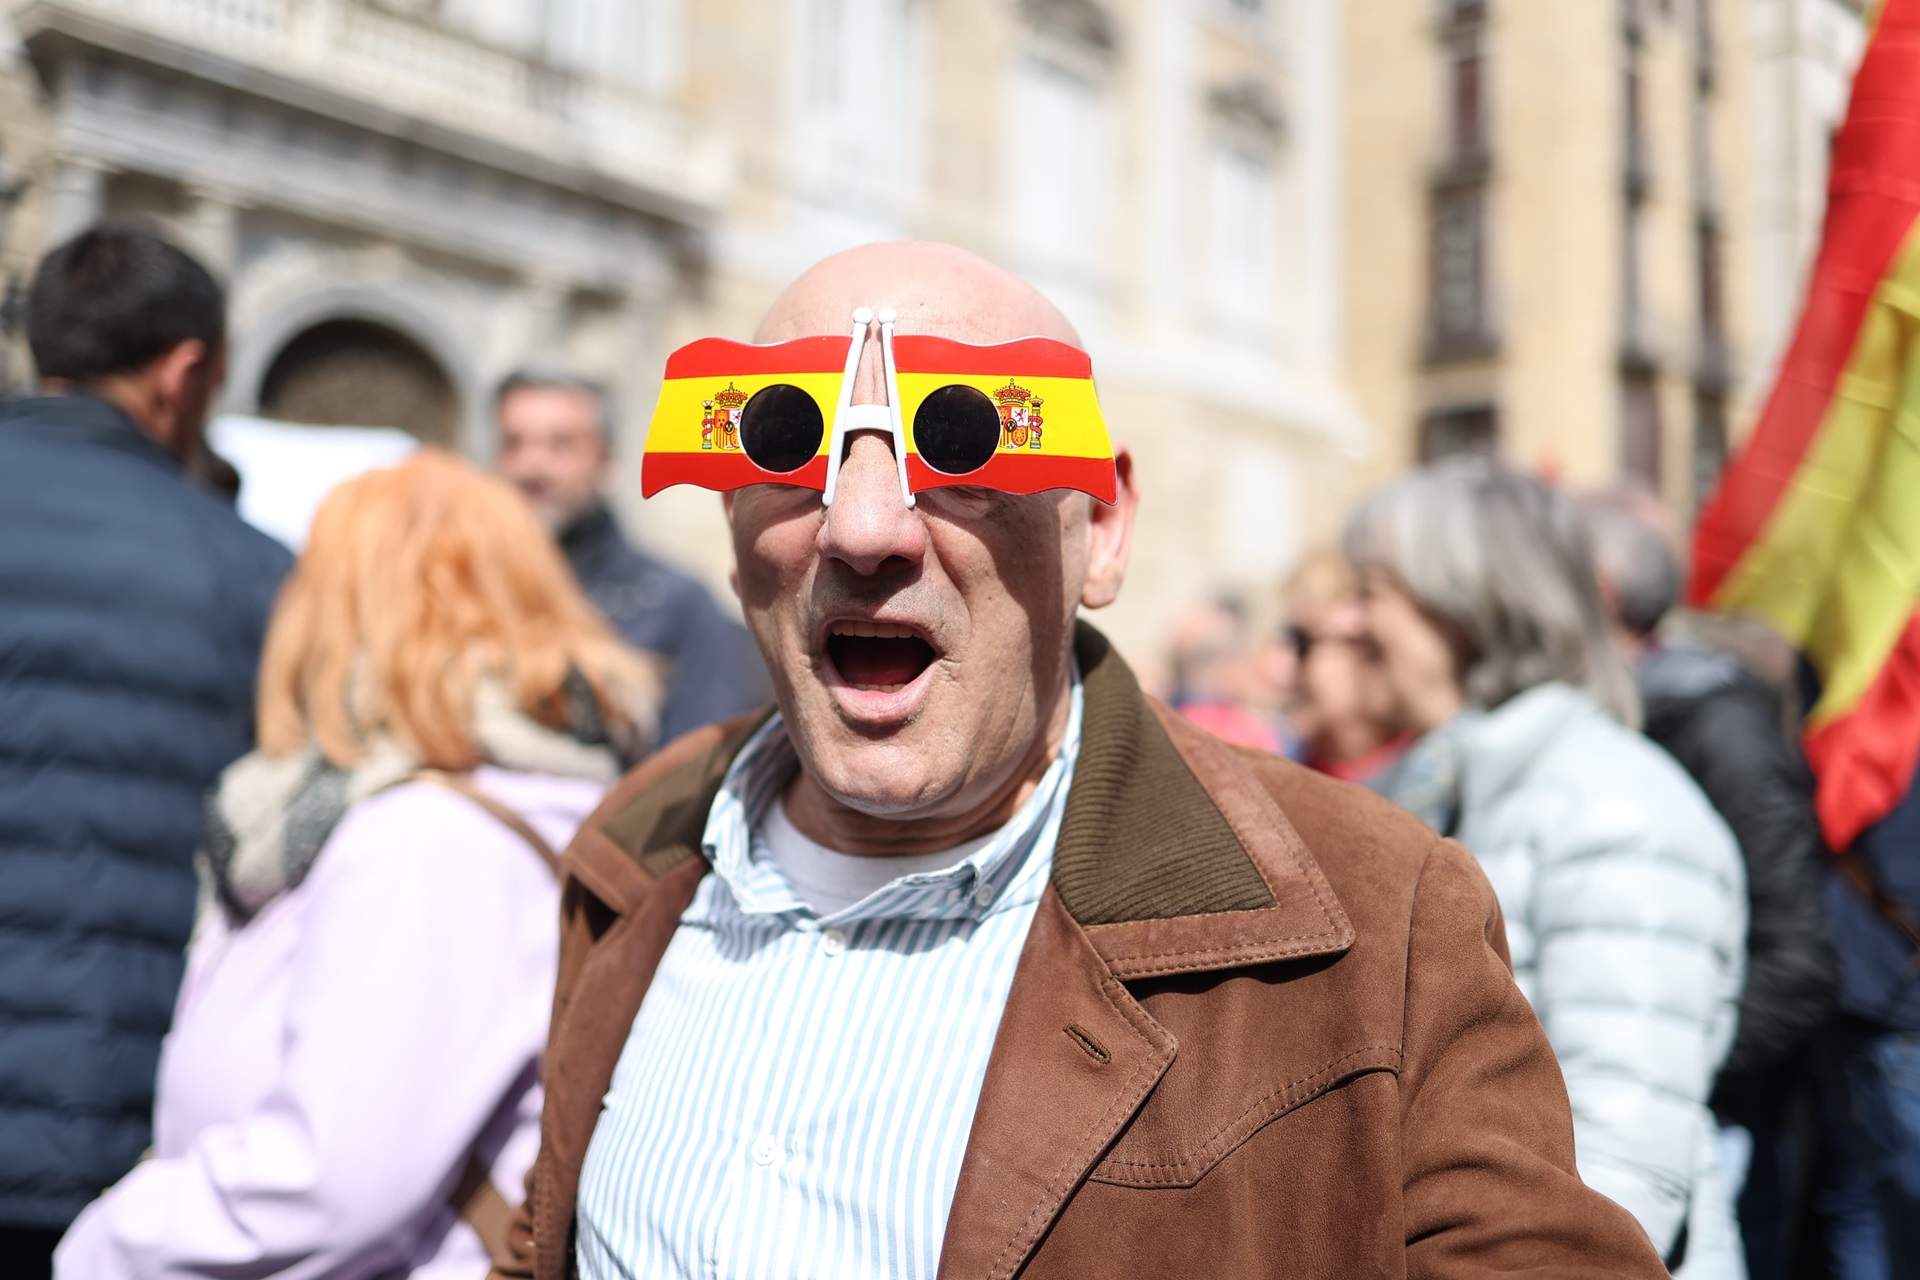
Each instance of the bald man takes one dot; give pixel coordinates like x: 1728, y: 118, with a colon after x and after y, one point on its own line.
x: 971, y: 960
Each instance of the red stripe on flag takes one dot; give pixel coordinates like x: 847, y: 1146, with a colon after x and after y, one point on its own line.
x: 1023, y: 357
x: 1024, y: 473
x: 1872, y: 200
x: 1865, y: 761
x: 725, y: 358
x: 729, y: 470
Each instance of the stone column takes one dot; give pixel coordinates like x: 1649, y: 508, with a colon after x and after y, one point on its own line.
x: 212, y: 230
x: 76, y: 198
x: 543, y: 328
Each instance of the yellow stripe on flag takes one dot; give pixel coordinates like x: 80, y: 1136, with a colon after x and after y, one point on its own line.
x: 1071, y: 425
x: 685, y: 405
x: 1837, y: 567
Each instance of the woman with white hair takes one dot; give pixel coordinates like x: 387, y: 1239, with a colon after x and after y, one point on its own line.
x: 1623, y: 893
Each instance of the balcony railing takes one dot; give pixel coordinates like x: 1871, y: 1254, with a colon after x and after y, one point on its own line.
x: 413, y: 67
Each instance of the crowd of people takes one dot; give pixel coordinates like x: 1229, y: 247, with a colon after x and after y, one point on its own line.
x: 444, y: 899
x: 1727, y: 1000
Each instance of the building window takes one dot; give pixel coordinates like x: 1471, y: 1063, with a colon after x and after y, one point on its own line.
x: 1640, y: 436
x: 1059, y: 172
x: 1632, y: 20
x: 1700, y: 140
x: 1705, y: 53
x: 634, y: 44
x: 1241, y: 248
x: 1707, y: 283
x: 1709, y: 445
x: 1460, y: 316
x: 1457, y: 430
x: 1466, y: 104
x: 853, y: 59
x: 1636, y: 343
x: 1635, y: 157
x: 824, y: 42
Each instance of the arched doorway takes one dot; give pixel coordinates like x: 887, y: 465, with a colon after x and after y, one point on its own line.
x: 354, y: 372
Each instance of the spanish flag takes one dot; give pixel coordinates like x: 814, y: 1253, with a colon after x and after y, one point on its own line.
x: 1816, y: 524
x: 695, y: 434
x: 1051, y: 432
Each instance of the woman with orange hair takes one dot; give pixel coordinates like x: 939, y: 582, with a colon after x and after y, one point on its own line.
x: 351, y: 1086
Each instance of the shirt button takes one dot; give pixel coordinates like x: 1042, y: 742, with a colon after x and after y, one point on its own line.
x: 766, y: 1150
x: 983, y: 895
x: 833, y: 941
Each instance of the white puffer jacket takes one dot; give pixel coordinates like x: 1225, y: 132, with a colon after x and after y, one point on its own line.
x: 1625, y: 904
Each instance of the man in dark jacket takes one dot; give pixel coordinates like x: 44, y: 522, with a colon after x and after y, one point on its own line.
x: 1870, y: 1065
x: 135, y: 605
x: 554, y: 432
x: 1725, y: 727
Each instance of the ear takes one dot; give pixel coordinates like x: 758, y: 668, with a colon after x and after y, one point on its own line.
x: 173, y: 371
x: 1110, y: 536
x: 179, y: 378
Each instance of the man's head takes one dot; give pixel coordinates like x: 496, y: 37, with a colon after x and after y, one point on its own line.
x: 920, y: 655
x: 554, y: 431
x: 1210, y: 652
x: 121, y: 313
x: 1636, y: 558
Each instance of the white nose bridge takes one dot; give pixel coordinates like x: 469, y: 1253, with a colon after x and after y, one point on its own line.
x: 870, y: 375
x: 869, y: 414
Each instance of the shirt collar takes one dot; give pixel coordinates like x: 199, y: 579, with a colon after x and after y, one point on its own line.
x: 1001, y: 874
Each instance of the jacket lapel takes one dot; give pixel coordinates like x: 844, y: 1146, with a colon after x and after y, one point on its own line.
x: 1074, y: 1059
x: 1172, y: 859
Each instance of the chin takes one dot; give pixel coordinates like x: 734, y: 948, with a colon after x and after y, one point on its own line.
x: 882, y: 779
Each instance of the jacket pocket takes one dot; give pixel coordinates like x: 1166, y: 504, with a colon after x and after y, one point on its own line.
x: 1159, y: 1151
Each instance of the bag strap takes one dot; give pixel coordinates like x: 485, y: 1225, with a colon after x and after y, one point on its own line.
x: 475, y: 1199
x: 506, y: 817
x: 1860, y: 878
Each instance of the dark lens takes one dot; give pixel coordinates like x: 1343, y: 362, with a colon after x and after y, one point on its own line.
x: 781, y: 427
x: 956, y: 430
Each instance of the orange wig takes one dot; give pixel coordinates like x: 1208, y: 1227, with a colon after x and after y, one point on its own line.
x: 418, y: 582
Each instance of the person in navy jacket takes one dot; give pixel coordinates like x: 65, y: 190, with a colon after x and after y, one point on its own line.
x: 135, y: 605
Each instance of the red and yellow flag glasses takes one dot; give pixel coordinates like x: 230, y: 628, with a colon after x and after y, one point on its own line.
x: 1019, y: 417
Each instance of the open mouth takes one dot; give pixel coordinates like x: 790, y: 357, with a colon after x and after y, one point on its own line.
x: 878, y: 657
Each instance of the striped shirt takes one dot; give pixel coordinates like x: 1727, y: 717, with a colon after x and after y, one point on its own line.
x: 796, y: 1092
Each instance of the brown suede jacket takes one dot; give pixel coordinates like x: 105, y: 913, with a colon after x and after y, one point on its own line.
x: 1263, y: 1026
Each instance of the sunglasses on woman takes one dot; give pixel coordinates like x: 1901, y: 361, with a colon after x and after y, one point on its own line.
x: 1018, y: 417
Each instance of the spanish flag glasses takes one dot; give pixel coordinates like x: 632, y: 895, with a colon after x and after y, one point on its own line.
x: 1019, y: 417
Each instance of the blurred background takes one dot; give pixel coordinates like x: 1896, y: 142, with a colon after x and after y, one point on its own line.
x: 1309, y: 243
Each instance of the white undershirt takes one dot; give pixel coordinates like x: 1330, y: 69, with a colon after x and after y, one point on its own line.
x: 830, y: 881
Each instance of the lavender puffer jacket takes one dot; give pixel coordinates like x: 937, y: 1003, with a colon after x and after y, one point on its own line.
x: 334, y: 1060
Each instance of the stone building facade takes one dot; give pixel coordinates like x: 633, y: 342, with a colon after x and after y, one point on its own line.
x: 1587, y: 224
x: 1803, y: 54
x: 410, y: 197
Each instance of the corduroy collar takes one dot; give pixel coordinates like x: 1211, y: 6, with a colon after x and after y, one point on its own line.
x: 1172, y: 855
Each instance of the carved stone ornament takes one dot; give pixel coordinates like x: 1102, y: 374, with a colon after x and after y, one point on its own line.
x: 1081, y: 22
x: 1249, y: 104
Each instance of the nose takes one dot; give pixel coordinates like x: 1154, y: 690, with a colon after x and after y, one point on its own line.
x: 868, y: 524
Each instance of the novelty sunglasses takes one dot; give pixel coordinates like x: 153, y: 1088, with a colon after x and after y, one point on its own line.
x: 1019, y: 417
